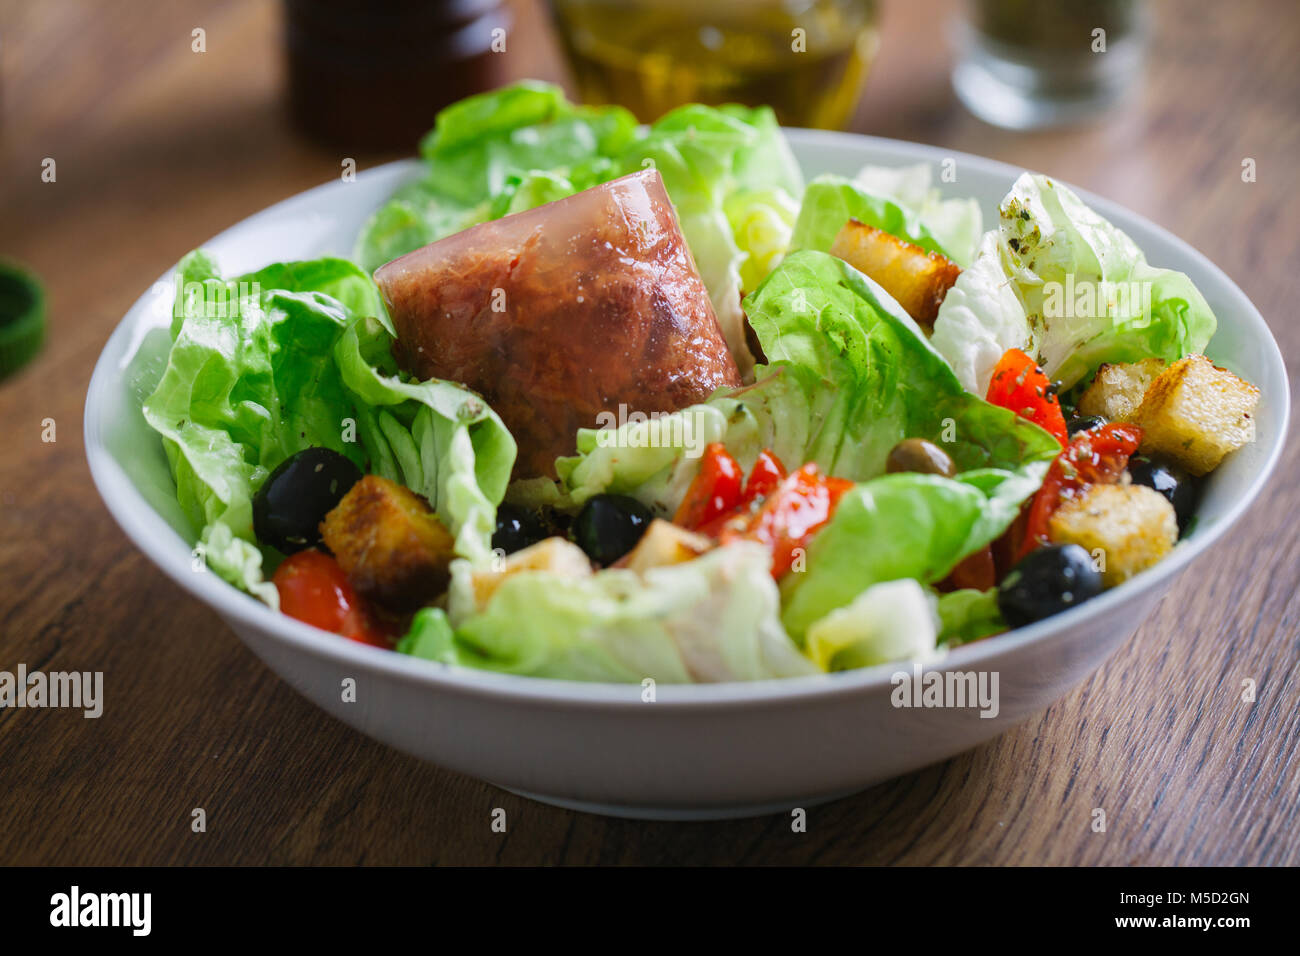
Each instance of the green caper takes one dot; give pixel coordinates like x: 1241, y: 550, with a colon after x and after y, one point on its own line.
x: 917, y: 454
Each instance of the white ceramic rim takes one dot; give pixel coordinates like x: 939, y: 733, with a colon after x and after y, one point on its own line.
x: 144, y: 526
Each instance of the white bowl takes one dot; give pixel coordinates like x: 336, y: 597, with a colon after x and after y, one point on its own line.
x: 697, y: 751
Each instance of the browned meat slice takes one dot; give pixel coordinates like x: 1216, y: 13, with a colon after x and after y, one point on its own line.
x: 562, y: 312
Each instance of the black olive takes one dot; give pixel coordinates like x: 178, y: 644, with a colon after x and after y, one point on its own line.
x: 609, y: 526
x: 1075, y: 425
x: 1047, y: 581
x: 1170, y: 480
x: 294, y: 499
x: 919, y: 455
x: 517, y: 528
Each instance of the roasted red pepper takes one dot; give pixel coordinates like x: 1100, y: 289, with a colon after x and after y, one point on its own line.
x: 720, y: 491
x: 1020, y: 385
x: 715, y: 492
x: 1093, y: 457
x: 764, y: 477
x: 790, y: 515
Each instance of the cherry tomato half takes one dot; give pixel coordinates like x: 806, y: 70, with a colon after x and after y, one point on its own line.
x: 314, y: 589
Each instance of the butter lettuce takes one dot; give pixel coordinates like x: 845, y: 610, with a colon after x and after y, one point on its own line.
x: 438, y: 438
x: 493, y: 154
x: 249, y: 382
x: 713, y: 619
x: 430, y: 637
x: 980, y: 318
x: 851, y: 376
x: 1084, y: 294
x: 969, y: 615
x: 266, y: 364
x: 899, y: 200
x: 955, y: 223
x: 903, y: 526
x: 831, y: 201
x: 762, y: 221
x: 890, y: 621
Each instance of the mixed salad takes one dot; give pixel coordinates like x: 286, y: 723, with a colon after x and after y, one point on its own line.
x: 599, y: 401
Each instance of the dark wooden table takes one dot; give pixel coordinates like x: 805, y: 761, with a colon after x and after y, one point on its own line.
x: 159, y: 148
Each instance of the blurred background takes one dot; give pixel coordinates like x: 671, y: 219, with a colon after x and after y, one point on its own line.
x: 132, y: 131
x: 180, y: 119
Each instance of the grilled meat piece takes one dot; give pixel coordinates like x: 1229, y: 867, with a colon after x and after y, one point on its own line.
x: 562, y: 312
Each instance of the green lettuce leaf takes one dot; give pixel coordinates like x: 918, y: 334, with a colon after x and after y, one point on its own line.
x: 479, y: 142
x: 903, y: 526
x: 831, y: 201
x: 969, y: 615
x: 290, y: 357
x: 249, y: 382
x: 728, y: 170
x: 430, y: 637
x: 437, y: 438
x: 851, y: 376
x: 1084, y: 293
x: 762, y: 221
x: 493, y: 154
x: 712, y: 619
x: 955, y: 223
x: 980, y: 318
x: 890, y: 621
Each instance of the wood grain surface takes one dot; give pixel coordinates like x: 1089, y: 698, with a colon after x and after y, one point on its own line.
x: 159, y: 148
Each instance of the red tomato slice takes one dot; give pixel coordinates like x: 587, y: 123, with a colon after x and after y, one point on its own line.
x: 314, y: 589
x: 1020, y: 385
x: 1094, y: 457
x: 715, y: 491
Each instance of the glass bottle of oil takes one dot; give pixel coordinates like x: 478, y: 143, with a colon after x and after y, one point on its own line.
x: 805, y: 58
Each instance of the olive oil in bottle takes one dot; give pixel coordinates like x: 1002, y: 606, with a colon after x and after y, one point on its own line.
x: 805, y: 58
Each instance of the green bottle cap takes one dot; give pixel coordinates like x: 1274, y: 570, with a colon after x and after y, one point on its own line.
x: 22, y: 317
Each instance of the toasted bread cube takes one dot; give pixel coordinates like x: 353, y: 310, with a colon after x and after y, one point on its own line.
x: 1197, y: 413
x: 554, y: 555
x: 1127, y: 528
x: 1117, y: 391
x: 917, y: 279
x: 663, y: 544
x: 389, y: 543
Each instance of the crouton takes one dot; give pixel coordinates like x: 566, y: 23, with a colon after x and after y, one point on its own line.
x: 917, y: 279
x: 1127, y: 528
x: 665, y: 543
x: 389, y: 543
x: 1117, y: 391
x: 1197, y: 413
x: 555, y: 555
